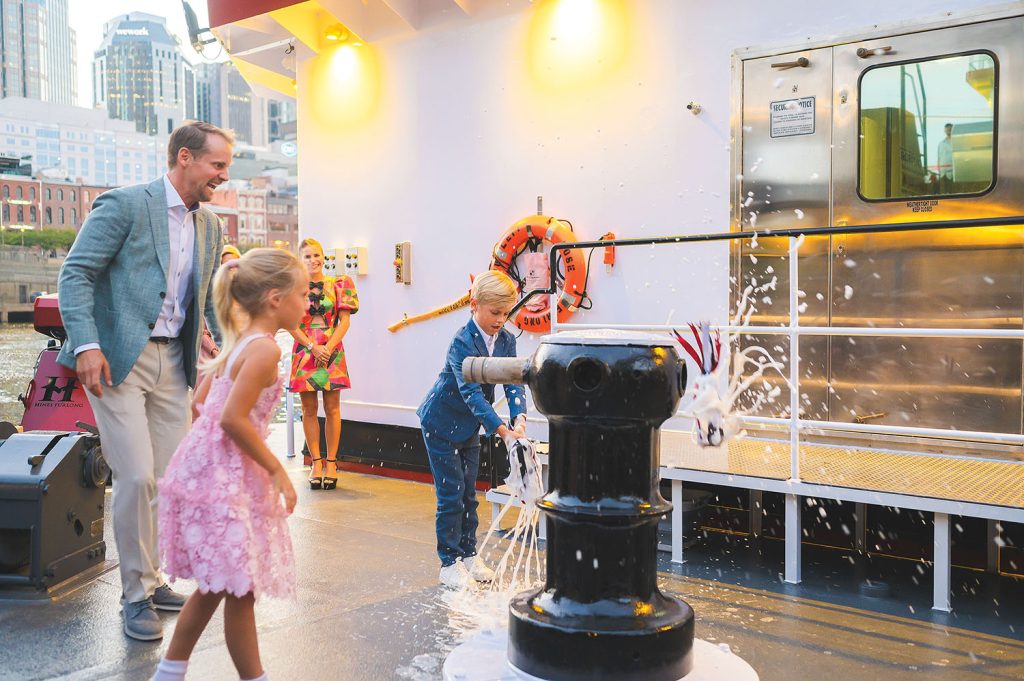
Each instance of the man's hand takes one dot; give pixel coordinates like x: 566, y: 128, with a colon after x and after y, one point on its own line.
x: 92, y: 369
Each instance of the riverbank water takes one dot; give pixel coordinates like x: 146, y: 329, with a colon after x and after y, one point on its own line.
x: 20, y: 345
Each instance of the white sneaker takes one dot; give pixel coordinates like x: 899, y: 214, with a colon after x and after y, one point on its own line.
x: 455, y: 576
x: 478, y: 570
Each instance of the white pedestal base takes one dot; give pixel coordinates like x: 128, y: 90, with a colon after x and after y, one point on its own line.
x: 485, y: 658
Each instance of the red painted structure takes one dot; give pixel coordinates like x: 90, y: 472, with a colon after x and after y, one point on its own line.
x: 222, y: 12
x: 55, y: 399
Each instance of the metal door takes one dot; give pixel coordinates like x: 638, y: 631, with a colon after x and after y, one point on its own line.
x: 784, y: 181
x: 888, y: 166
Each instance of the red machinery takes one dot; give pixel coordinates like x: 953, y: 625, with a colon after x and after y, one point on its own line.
x: 52, y: 476
x: 55, y: 399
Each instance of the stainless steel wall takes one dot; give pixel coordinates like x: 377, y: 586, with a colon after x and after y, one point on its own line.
x: 815, y: 148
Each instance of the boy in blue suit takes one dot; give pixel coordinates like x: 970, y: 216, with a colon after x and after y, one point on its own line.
x: 451, y: 416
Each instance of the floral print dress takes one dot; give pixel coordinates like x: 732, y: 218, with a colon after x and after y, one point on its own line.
x: 327, y: 299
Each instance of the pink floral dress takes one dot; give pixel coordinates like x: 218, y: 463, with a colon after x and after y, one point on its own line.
x: 220, y: 521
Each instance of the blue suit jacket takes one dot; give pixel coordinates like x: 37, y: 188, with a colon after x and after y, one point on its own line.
x: 454, y: 409
x: 112, y: 283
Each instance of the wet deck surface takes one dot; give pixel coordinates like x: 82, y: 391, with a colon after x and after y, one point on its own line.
x: 368, y: 608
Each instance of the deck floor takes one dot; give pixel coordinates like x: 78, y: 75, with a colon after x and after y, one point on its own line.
x: 957, y: 478
x: 369, y: 608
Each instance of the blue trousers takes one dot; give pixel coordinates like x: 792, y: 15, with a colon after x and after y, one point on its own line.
x: 454, y: 466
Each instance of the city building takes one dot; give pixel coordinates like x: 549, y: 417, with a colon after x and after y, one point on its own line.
x: 281, y: 117
x: 251, y: 204
x: 59, y: 50
x: 228, y: 221
x: 139, y: 73
x: 32, y: 204
x: 208, y: 93
x: 39, y: 52
x: 246, y: 111
x: 283, y: 221
x: 63, y: 141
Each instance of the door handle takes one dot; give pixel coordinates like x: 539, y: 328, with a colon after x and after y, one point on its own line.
x: 864, y: 52
x: 802, y: 62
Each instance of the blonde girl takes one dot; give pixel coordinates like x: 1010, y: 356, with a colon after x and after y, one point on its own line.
x: 225, y: 497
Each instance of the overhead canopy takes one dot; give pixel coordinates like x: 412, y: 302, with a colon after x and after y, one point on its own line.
x: 257, y: 33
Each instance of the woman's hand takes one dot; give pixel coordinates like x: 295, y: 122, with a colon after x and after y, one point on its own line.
x: 283, y: 487
x: 321, y: 354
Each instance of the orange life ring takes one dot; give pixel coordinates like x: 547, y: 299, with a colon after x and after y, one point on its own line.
x: 552, y: 231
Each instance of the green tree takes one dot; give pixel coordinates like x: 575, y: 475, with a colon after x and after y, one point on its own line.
x: 47, y: 239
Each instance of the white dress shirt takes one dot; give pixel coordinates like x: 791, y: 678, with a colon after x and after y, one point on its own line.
x: 182, y: 236
x: 488, y: 340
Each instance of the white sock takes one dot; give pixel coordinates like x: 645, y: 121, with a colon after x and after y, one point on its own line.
x: 261, y: 677
x: 170, y: 670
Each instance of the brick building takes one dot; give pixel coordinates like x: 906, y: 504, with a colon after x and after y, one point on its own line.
x: 44, y: 203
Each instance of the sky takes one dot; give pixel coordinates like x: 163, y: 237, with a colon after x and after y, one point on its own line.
x: 88, y: 16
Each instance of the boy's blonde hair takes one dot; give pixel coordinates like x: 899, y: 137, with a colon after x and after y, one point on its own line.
x: 240, y: 290
x: 494, y: 287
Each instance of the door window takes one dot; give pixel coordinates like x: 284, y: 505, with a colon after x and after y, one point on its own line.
x: 927, y: 128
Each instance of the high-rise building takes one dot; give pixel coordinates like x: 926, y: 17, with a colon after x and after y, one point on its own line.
x: 246, y: 111
x: 138, y: 73
x: 59, y: 50
x: 222, y: 97
x: 208, y: 93
x: 37, y: 51
x: 281, y: 116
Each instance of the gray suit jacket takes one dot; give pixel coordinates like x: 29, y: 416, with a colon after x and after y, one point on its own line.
x: 113, y: 281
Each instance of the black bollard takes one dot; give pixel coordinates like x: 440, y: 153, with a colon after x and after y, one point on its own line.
x: 600, y: 614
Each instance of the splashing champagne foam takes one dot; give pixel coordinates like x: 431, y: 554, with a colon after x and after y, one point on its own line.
x: 520, y: 566
x: 724, y: 374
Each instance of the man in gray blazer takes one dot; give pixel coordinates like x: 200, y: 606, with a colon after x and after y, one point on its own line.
x: 133, y: 292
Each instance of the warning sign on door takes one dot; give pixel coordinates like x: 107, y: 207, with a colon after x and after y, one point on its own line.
x: 793, y: 117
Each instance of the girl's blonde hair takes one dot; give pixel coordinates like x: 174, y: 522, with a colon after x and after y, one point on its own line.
x: 494, y: 287
x: 240, y: 290
x: 310, y: 242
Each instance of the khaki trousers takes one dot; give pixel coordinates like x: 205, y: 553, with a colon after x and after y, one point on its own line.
x: 141, y: 422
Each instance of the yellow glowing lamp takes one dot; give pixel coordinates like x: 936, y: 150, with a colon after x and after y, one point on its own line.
x: 336, y: 33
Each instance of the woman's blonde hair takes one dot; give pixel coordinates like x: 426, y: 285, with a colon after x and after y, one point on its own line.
x: 494, y: 287
x: 240, y: 290
x: 310, y: 242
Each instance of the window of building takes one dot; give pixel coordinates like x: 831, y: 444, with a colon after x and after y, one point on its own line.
x: 73, y: 195
x: 60, y: 197
x: 32, y: 215
x: 21, y: 215
x: 32, y: 193
x: 49, y: 194
x: 74, y: 216
x: 22, y: 293
x: 19, y: 192
x: 7, y: 191
x: 927, y: 128
x: 85, y: 196
x: 60, y: 215
x: 49, y: 216
x: 7, y: 213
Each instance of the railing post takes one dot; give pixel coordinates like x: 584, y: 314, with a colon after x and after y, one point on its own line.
x: 794, y: 528
x: 553, y: 306
x: 941, y: 562
x: 794, y: 361
x: 289, y: 415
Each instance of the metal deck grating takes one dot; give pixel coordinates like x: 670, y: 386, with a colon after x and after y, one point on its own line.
x: 982, y: 481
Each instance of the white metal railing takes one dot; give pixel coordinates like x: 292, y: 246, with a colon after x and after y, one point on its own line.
x: 793, y: 330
